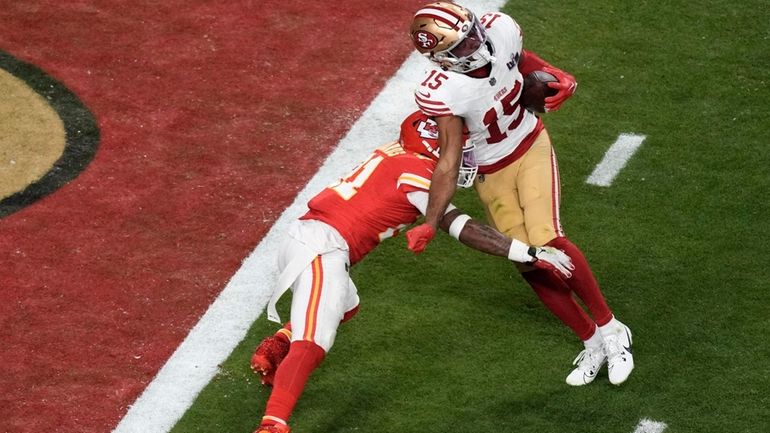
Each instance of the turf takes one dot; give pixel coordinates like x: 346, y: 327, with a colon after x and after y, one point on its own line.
x: 453, y: 340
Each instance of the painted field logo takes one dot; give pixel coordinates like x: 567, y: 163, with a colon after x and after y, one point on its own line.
x: 47, y: 136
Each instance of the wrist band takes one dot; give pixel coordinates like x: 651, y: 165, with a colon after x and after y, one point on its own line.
x: 519, y: 252
x: 457, y: 226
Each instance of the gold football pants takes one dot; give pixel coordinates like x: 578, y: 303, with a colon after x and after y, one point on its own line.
x: 522, y: 199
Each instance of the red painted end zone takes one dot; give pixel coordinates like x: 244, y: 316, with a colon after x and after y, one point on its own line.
x: 212, y: 116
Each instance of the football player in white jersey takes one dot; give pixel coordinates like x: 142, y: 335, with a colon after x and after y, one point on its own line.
x: 476, y: 78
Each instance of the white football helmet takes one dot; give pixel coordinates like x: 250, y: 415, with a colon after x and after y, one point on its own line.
x: 419, y: 134
x: 451, y: 36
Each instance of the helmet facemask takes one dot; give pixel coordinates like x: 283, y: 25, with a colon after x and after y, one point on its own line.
x: 470, y: 52
x: 468, y: 166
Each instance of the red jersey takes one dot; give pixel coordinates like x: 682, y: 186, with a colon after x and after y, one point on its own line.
x: 370, y: 204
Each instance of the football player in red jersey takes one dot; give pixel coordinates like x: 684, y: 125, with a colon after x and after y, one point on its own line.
x: 345, y: 222
x: 474, y: 82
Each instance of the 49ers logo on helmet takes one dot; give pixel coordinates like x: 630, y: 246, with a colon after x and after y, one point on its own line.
x: 424, y: 39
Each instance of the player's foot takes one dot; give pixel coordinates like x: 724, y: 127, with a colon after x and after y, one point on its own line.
x: 588, y: 363
x: 273, y: 428
x: 620, y: 361
x: 269, y: 355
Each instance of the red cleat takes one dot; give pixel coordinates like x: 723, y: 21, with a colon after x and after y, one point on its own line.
x: 269, y: 355
x: 273, y: 428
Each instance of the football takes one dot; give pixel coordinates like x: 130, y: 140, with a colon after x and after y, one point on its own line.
x: 535, y: 91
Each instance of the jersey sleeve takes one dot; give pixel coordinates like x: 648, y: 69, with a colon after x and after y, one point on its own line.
x: 409, y: 181
x: 419, y: 199
x: 506, y: 24
x: 431, y: 107
x: 429, y: 96
x: 518, y: 36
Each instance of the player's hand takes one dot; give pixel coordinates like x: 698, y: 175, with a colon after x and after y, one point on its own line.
x: 566, y: 87
x: 552, y: 259
x: 419, y: 237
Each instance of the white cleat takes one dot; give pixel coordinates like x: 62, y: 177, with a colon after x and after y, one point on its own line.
x: 588, y: 363
x: 620, y: 361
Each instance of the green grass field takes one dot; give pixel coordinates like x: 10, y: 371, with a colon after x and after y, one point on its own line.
x: 454, y: 341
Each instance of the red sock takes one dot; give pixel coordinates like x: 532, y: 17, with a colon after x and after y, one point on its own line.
x: 291, y: 377
x: 557, y: 297
x: 583, y: 282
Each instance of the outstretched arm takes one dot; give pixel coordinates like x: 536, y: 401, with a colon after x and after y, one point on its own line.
x: 480, y: 236
x: 486, y: 239
x: 443, y: 183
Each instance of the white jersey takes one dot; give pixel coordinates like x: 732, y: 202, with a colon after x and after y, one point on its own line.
x: 499, y: 126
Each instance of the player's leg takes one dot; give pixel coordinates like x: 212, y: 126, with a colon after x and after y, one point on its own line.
x: 616, y: 336
x: 583, y: 282
x: 540, y: 198
x: 500, y: 194
x: 273, y: 349
x: 319, y: 301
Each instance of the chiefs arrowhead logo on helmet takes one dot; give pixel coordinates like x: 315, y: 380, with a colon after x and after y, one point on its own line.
x: 419, y: 134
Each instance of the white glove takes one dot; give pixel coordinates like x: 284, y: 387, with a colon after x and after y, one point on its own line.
x: 548, y: 258
x: 551, y: 258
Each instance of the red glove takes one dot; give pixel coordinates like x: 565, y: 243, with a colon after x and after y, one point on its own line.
x: 419, y: 237
x: 566, y: 87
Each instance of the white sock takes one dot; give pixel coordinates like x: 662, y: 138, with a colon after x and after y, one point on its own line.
x: 595, y: 340
x: 612, y: 327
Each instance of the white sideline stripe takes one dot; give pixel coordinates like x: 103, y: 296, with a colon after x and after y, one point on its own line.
x: 649, y: 426
x: 615, y: 159
x: 242, y: 301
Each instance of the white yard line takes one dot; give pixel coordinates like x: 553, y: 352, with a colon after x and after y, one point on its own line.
x: 242, y: 301
x: 615, y: 159
x: 649, y: 426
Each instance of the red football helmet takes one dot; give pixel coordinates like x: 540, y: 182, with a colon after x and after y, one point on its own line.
x: 451, y: 36
x: 419, y: 134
